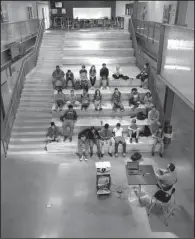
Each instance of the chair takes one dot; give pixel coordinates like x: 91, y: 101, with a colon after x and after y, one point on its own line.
x: 164, y: 198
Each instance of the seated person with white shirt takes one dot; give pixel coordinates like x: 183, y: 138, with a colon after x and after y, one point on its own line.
x: 118, y: 73
x: 133, y: 131
x: 119, y: 139
x: 166, y: 177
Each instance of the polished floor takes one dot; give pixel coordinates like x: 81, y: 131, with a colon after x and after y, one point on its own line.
x: 54, y: 195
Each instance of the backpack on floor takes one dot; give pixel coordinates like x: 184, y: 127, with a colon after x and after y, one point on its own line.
x: 125, y: 78
x: 136, y: 156
x: 77, y: 85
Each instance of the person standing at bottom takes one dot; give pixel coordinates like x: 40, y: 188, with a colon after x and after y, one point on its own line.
x: 69, y: 118
x: 106, y: 139
x: 158, y: 140
x: 83, y: 147
x: 119, y: 139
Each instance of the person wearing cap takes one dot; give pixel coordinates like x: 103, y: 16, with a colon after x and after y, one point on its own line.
x: 69, y: 77
x: 104, y: 73
x: 153, y: 118
x: 116, y: 100
x: 158, y: 136
x: 58, y: 78
x: 53, y: 134
x: 69, y: 118
x: 134, y: 99
x: 133, y: 131
x: 166, y: 177
x: 93, y: 137
x: 119, y: 139
x: 106, y: 139
x: 72, y: 99
x: 59, y: 100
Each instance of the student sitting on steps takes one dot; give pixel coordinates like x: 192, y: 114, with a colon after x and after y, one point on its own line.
x: 133, y: 131
x: 69, y: 77
x: 92, y: 74
x: 148, y: 102
x: 59, y: 100
x: 72, y: 100
x: 85, y: 101
x: 143, y: 76
x: 58, y: 80
x: 119, y: 139
x: 118, y: 74
x: 83, y: 77
x: 104, y: 73
x: 69, y: 119
x: 134, y: 99
x: 83, y: 147
x: 117, y: 101
x: 98, y: 100
x: 53, y: 134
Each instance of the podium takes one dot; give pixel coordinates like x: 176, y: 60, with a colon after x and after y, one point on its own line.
x: 103, y: 178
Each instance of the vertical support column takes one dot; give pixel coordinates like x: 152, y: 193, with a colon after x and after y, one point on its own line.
x: 160, y: 49
x: 168, y: 104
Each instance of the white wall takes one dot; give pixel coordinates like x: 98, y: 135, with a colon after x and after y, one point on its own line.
x: 120, y: 8
x: 17, y: 10
x: 154, y: 10
x: 190, y: 15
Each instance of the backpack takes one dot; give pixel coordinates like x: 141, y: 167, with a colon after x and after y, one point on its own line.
x: 141, y: 116
x: 146, y: 132
x: 77, y: 85
x: 136, y: 156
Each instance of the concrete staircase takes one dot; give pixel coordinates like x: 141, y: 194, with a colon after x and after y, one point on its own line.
x: 70, y: 51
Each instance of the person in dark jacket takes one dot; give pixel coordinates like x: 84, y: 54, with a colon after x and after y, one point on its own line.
x: 104, y: 73
x: 69, y: 118
x: 69, y: 77
x: 116, y: 100
x: 93, y: 137
x: 53, y: 134
x: 58, y: 78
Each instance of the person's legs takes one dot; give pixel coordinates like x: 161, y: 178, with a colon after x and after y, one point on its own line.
x: 137, y: 133
x: 93, y: 80
x: 121, y: 106
x: 54, y: 83
x: 161, y: 150
x: 123, y: 144
x: 66, y: 83
x: 154, y: 146
x: 101, y: 82
x: 110, y: 146
x: 116, y: 146
x: 71, y: 126
x: 102, y: 145
x: 96, y: 105
x: 91, y: 143
x: 72, y: 80
x: 65, y: 125
x: 107, y: 82
x: 97, y: 142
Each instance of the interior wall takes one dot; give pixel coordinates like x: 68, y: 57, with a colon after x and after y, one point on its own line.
x: 154, y: 10
x: 69, y: 5
x: 120, y: 8
x: 190, y: 15
x: 17, y: 10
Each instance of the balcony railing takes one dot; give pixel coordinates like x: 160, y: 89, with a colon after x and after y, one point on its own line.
x: 148, y: 30
x: 27, y: 65
x: 17, y: 31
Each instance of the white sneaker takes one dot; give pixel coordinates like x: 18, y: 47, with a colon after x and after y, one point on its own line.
x: 107, y: 88
x: 81, y: 159
x: 101, y: 88
x: 86, y: 159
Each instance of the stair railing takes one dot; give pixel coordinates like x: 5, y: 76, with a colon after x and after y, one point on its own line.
x: 28, y: 63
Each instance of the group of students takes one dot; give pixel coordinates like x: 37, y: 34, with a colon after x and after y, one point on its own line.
x: 70, y: 116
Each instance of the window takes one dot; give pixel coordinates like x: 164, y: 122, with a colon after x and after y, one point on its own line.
x: 30, y: 12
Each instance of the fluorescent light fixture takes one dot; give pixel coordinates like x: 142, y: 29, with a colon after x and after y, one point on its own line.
x: 180, y: 45
x: 176, y: 67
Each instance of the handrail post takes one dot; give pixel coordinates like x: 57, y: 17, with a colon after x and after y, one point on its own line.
x: 160, y: 49
x: 153, y: 33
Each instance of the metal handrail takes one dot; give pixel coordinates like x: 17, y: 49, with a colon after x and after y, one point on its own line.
x: 133, y: 36
x: 23, y: 71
